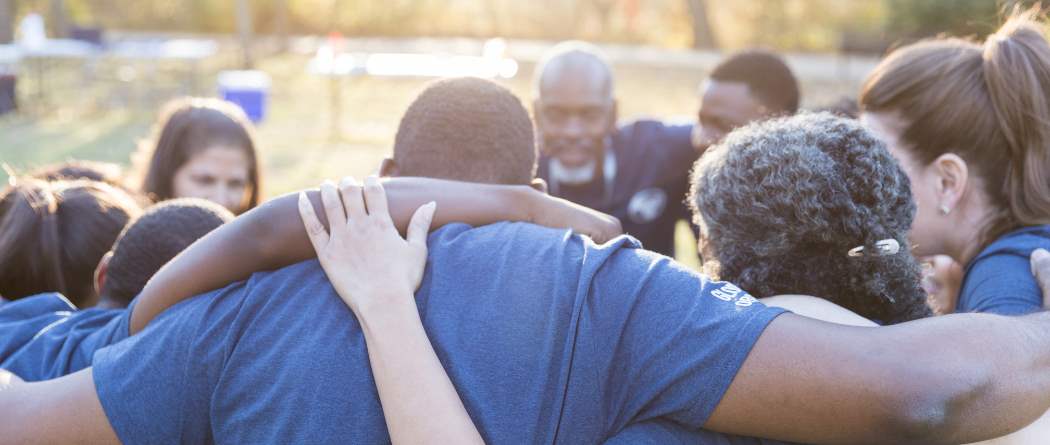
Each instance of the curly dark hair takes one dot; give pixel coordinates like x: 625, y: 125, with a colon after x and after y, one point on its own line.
x: 781, y: 202
x: 154, y: 238
x: 766, y: 75
x: 466, y: 129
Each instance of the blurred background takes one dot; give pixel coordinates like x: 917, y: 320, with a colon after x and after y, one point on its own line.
x: 85, y: 78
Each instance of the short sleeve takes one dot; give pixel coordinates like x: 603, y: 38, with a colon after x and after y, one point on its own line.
x: 664, y: 341
x: 1000, y: 284
x: 156, y: 385
x: 22, y: 319
x: 67, y: 345
x: 52, y: 339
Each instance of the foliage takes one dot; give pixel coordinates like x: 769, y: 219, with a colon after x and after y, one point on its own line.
x: 809, y: 25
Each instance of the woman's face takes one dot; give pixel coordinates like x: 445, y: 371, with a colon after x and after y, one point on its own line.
x: 930, y: 227
x: 218, y: 174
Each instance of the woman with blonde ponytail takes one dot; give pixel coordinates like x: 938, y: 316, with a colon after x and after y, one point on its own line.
x: 970, y: 124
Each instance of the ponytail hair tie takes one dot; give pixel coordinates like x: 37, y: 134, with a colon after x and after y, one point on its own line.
x: 884, y: 247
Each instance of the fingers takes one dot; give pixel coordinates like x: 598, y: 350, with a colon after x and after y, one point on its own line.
x: 314, y: 229
x: 1041, y: 270
x: 375, y: 199
x: 942, y: 278
x: 355, y: 204
x: 419, y: 226
x: 333, y: 206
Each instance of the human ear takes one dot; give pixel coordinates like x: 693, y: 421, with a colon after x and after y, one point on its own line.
x: 953, y: 175
x: 388, y: 168
x: 100, y: 272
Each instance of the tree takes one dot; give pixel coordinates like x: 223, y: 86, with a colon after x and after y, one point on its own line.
x: 703, y: 34
x: 913, y: 20
x: 59, y: 24
x: 7, y: 21
x: 280, y: 23
x: 244, y: 32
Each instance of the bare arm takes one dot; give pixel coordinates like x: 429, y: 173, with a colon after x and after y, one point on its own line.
x: 65, y: 410
x: 1041, y: 269
x: 817, y: 308
x: 271, y: 236
x: 814, y: 382
x: 376, y: 273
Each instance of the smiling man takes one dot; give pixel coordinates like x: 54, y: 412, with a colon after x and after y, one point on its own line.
x: 748, y: 86
x: 639, y: 171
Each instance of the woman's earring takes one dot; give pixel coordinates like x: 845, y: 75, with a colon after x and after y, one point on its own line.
x: 945, y: 210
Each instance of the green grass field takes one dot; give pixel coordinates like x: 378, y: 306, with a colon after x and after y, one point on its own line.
x: 301, y: 143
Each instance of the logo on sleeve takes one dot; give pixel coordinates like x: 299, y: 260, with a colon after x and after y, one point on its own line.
x: 730, y: 293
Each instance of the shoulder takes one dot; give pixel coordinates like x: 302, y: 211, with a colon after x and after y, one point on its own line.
x: 515, y: 239
x: 817, y: 308
x: 663, y: 146
x: 1000, y: 283
x: 35, y: 305
x: 1018, y: 243
x: 646, y: 130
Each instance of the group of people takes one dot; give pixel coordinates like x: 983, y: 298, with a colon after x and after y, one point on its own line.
x: 309, y: 318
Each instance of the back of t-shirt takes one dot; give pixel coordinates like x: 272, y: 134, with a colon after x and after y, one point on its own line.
x: 547, y: 338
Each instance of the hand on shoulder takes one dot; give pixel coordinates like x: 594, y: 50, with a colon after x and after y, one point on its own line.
x: 363, y: 255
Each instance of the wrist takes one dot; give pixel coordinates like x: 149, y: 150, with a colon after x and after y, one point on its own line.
x: 528, y: 202
x: 386, y: 309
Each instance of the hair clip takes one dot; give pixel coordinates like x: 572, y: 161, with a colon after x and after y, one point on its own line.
x: 884, y: 247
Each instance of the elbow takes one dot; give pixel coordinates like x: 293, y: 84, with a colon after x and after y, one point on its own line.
x: 935, y: 409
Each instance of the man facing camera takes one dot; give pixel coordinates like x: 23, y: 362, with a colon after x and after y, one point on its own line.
x: 639, y: 171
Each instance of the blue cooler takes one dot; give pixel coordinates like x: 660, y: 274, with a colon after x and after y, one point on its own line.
x: 248, y: 89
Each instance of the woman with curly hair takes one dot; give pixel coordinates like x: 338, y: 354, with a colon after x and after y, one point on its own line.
x: 815, y: 205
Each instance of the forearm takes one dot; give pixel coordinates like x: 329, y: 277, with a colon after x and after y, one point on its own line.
x: 64, y: 410
x: 272, y: 236
x: 419, y: 402
x: 995, y: 372
x: 954, y: 379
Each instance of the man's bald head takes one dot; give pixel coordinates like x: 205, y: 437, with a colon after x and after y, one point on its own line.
x: 573, y: 104
x: 577, y: 63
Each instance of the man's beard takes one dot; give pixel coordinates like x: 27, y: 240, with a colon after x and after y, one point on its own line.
x: 573, y: 175
x: 563, y: 174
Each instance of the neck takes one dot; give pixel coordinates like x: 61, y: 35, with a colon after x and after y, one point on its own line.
x: 969, y: 230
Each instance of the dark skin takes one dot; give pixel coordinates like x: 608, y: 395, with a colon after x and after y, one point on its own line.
x: 725, y: 106
x: 804, y: 380
x: 271, y: 236
x: 575, y: 109
x: 67, y: 409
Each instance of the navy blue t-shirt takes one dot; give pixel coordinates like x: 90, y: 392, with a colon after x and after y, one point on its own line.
x: 546, y: 336
x: 653, y: 161
x: 44, y: 336
x: 999, y: 279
